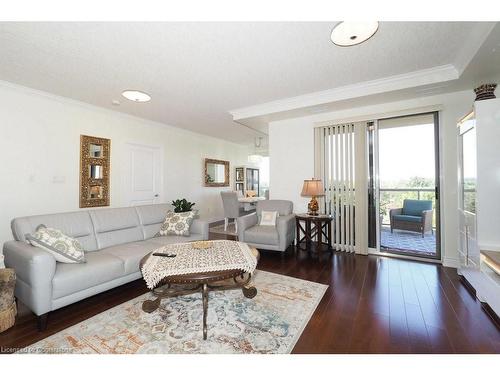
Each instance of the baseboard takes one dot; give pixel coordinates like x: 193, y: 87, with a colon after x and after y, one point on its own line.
x: 491, y: 313
x: 487, y: 308
x: 451, y: 262
x: 468, y: 286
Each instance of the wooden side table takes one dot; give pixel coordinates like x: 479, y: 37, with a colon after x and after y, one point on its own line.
x: 309, y: 227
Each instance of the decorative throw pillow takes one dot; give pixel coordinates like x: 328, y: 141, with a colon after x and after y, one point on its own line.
x: 64, y: 248
x: 268, y: 218
x: 177, y: 223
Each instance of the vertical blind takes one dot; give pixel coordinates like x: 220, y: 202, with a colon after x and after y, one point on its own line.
x: 336, y: 167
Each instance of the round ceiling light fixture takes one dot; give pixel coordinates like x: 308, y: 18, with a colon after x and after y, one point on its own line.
x: 347, y: 34
x: 136, y: 96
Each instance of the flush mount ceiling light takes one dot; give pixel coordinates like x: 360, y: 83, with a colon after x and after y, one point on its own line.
x: 351, y: 33
x: 136, y: 96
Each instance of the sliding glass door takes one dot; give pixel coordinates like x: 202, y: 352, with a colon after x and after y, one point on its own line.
x: 404, y: 185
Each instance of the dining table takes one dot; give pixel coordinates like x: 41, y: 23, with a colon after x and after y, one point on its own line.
x: 249, y: 203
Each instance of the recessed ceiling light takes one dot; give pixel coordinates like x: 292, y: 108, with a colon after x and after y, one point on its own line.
x: 351, y: 33
x: 136, y: 96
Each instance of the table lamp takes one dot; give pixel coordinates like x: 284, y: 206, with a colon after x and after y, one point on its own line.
x: 313, y: 188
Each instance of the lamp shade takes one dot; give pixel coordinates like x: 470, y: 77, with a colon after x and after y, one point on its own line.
x: 312, y: 188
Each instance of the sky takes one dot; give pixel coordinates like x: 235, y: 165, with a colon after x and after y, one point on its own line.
x: 406, y: 152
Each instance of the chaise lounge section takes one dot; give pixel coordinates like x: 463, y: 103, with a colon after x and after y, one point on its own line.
x: 114, y: 241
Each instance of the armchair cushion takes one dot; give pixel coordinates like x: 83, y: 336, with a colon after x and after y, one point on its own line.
x: 268, y: 218
x: 413, y: 219
x: 414, y: 207
x: 262, y: 234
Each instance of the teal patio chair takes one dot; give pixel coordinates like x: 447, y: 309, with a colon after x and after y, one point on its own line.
x: 414, y: 216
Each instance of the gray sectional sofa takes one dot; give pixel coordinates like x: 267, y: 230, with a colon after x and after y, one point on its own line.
x: 114, y: 239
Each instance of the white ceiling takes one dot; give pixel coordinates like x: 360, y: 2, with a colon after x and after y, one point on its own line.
x: 197, y: 72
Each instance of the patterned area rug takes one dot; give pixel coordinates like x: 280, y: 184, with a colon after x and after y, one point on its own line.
x: 272, y: 322
x: 409, y: 241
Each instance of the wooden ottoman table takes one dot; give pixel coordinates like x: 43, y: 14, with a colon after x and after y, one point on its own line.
x: 191, y: 282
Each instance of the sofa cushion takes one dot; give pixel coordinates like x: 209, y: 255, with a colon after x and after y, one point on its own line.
x: 64, y: 248
x: 131, y: 253
x: 414, y: 207
x: 116, y: 226
x: 77, y: 225
x: 177, y: 223
x: 151, y: 217
x: 262, y: 234
x: 99, y: 268
x: 413, y: 219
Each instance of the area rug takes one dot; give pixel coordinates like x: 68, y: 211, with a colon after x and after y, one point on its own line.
x: 409, y: 241
x: 272, y: 322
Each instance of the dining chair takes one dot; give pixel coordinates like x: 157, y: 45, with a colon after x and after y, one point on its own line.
x: 231, y: 207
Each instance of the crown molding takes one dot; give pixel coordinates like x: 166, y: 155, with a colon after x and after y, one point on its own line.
x: 471, y: 46
x: 103, y: 110
x: 417, y: 78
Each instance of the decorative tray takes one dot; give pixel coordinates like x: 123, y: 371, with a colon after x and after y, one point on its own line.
x: 202, y: 245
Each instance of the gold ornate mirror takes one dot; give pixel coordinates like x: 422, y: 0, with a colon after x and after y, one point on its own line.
x: 94, y: 171
x: 216, y: 173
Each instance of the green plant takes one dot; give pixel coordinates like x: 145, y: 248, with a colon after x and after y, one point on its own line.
x: 182, y: 205
x: 383, y: 208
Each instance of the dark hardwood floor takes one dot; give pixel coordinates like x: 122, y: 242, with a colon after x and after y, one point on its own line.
x: 373, y: 305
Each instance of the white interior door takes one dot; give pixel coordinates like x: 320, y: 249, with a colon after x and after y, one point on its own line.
x: 145, y: 175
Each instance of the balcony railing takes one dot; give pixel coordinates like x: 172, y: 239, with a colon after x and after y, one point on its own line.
x: 417, y: 190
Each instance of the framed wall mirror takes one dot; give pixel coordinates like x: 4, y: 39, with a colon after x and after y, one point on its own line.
x: 216, y: 173
x: 94, y: 171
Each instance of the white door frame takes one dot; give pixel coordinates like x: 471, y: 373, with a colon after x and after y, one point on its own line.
x: 438, y: 182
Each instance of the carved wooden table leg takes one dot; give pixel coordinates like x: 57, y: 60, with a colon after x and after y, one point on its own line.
x: 151, y: 305
x: 249, y: 291
x: 204, y: 293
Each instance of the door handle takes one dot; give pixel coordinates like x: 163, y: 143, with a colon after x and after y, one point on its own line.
x: 157, y: 195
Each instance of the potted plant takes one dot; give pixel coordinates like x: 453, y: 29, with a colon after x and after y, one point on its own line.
x: 182, y: 205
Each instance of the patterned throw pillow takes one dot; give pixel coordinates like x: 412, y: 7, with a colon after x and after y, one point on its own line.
x: 64, y: 248
x: 177, y: 223
x: 268, y: 218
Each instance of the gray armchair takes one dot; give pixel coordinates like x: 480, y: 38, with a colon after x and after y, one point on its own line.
x: 277, y: 237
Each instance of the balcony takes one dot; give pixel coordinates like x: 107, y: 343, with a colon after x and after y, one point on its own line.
x: 403, y: 241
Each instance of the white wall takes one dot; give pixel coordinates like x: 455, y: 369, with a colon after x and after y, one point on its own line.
x: 40, y: 140
x: 291, y: 149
